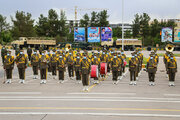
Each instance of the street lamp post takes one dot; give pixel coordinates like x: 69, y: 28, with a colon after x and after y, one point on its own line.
x: 122, y: 25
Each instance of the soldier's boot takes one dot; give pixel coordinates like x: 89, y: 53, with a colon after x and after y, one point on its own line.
x: 54, y: 77
x: 121, y: 77
x: 116, y: 82
x: 150, y: 83
x: 153, y: 84
x: 61, y: 81
x: 23, y: 81
x: 41, y: 81
x: 86, y: 88
x: 34, y: 77
x: 134, y: 83
x: 10, y: 81
x: 44, y: 81
x: 131, y: 83
x: 7, y: 81
x: 173, y: 84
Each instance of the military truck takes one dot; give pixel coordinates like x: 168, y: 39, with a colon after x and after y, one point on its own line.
x: 35, y: 42
x: 129, y: 44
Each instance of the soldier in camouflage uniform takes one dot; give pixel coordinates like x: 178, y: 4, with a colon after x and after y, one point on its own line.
x: 9, y: 66
x: 35, y: 63
x: 133, y: 69
x: 61, y: 65
x: 29, y: 52
x: 22, y: 61
x: 115, y: 66
x: 151, y: 69
x: 96, y: 61
x: 70, y: 64
x: 77, y: 65
x: 3, y: 53
x: 53, y: 62
x: 171, y: 69
x: 85, y: 68
x: 43, y: 66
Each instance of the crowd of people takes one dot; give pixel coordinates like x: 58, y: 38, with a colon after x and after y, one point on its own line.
x: 56, y: 62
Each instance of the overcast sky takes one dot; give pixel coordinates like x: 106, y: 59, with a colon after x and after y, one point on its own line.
x: 160, y: 9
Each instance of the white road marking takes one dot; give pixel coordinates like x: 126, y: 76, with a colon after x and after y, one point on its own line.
x: 85, y: 113
x: 172, y: 95
x: 102, y: 93
x: 11, y: 93
x: 86, y: 97
x: 91, y: 100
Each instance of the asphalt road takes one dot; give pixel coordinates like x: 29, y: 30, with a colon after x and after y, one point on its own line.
x: 54, y: 101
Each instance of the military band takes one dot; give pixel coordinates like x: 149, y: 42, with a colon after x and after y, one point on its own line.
x: 56, y: 61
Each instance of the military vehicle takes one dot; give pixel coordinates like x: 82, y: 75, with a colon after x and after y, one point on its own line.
x: 35, y: 42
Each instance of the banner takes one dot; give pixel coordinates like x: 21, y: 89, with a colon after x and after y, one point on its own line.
x: 106, y: 34
x: 177, y: 34
x: 79, y: 34
x: 166, y: 34
x: 93, y: 34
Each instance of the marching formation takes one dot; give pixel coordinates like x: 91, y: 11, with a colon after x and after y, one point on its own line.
x: 96, y: 65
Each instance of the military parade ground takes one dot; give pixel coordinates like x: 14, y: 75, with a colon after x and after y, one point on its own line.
x: 105, y: 100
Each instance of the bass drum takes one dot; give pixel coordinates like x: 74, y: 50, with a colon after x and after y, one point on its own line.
x: 103, y: 68
x: 94, y: 71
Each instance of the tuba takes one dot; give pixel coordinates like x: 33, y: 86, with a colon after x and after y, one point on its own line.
x: 169, y: 48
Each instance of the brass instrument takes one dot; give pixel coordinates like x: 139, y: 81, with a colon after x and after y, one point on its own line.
x: 169, y: 47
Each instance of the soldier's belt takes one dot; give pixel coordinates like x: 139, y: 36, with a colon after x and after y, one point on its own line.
x: 172, y: 67
x: 150, y: 67
x: 115, y: 65
x: 77, y: 65
x: 85, y: 67
x: 21, y: 62
x: 132, y: 66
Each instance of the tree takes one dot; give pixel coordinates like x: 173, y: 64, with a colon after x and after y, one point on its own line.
x: 155, y: 29
x: 128, y: 34
x: 5, y: 37
x: 94, y: 21
x: 23, y: 25
x: 102, y: 18
x: 54, y: 23
x: 136, y: 26
x: 144, y: 26
x: 3, y: 24
x: 85, y: 21
x: 63, y: 28
x: 117, y: 32
x: 42, y: 26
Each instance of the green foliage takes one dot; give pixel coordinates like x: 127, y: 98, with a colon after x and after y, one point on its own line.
x: 23, y: 25
x: 6, y: 37
x: 117, y: 32
x: 3, y: 24
x: 85, y: 21
x: 102, y: 18
x: 148, y: 32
